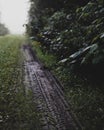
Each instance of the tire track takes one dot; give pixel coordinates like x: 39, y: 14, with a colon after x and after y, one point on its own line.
x: 48, y: 95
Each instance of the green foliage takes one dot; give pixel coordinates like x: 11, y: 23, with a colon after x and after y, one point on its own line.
x: 40, y: 10
x: 101, y: 1
x: 75, y: 36
x: 17, y: 110
x: 48, y: 59
x: 3, y: 30
x: 78, y: 32
x: 86, y: 99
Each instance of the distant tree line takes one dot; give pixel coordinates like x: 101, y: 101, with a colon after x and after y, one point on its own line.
x: 3, y: 30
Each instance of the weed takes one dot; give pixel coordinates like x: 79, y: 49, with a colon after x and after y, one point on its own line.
x: 17, y: 110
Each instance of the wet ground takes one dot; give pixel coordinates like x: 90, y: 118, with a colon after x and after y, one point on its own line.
x: 48, y: 95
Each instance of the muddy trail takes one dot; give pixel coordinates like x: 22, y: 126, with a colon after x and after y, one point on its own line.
x: 48, y: 94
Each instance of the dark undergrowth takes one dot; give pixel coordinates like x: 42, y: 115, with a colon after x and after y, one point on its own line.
x: 86, y: 98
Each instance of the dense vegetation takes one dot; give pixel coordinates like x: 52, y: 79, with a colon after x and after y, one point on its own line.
x: 73, y: 33
x: 17, y: 110
x: 3, y: 30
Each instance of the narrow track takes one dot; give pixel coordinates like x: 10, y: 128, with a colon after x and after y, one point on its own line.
x: 48, y: 95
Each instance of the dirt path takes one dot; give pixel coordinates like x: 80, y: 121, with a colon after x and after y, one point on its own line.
x: 48, y: 95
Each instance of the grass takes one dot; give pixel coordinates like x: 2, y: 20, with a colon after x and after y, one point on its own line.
x: 48, y: 59
x: 17, y: 110
x: 86, y: 99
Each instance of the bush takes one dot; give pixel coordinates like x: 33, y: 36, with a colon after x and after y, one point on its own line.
x: 79, y: 32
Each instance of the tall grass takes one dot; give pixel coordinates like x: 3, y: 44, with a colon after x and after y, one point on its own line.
x: 47, y: 59
x: 17, y: 110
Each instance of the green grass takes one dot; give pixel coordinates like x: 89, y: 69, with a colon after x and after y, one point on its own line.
x: 86, y: 99
x: 48, y: 59
x: 17, y: 110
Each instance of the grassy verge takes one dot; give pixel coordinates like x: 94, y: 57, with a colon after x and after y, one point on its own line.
x: 17, y: 110
x: 86, y: 99
x: 48, y: 59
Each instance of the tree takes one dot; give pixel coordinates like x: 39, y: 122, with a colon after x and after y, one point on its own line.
x: 3, y: 30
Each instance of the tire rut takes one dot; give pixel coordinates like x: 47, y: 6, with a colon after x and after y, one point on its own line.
x: 48, y: 95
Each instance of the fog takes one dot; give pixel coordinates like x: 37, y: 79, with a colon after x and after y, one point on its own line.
x: 13, y: 13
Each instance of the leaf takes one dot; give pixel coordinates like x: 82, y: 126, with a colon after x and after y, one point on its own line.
x: 102, y: 36
x: 63, y: 61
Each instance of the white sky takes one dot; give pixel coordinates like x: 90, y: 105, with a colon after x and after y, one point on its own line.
x: 14, y: 14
